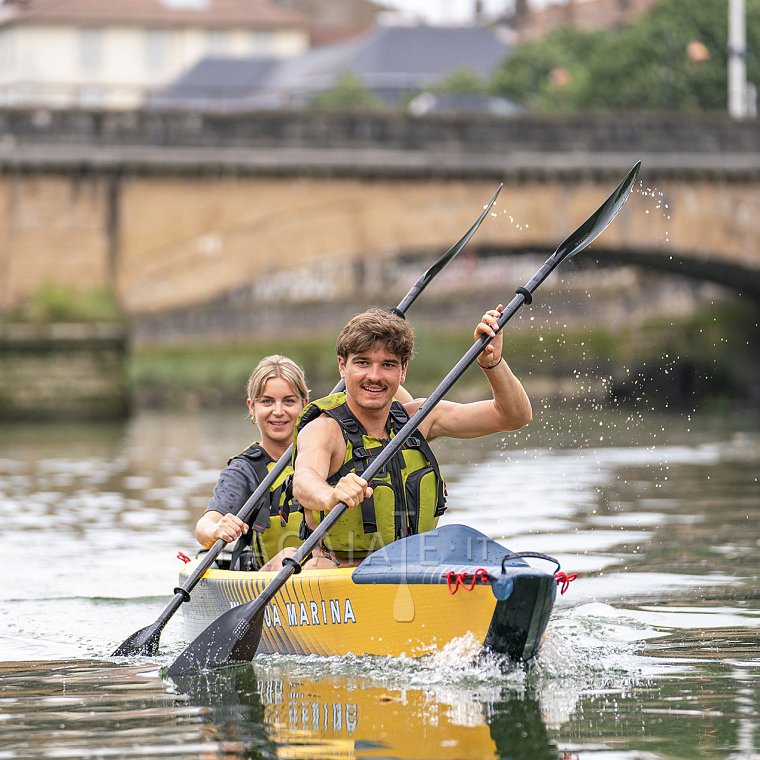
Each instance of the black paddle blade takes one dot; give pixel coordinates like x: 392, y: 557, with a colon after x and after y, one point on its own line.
x: 230, y: 638
x: 145, y: 641
x: 598, y: 223
x: 142, y: 642
x: 446, y: 258
x: 461, y: 243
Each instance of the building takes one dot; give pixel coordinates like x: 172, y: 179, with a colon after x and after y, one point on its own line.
x: 533, y: 21
x: 333, y: 21
x: 395, y: 62
x: 112, y: 53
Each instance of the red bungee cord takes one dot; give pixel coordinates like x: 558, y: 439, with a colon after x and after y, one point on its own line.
x: 564, y: 580
x: 455, y: 580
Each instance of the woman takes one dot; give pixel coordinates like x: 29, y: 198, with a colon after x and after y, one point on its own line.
x: 276, y: 394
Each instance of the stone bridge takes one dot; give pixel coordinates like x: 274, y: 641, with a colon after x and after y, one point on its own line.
x: 177, y: 210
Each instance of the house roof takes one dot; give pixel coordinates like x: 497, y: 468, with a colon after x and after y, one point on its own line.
x: 206, y: 13
x: 387, y: 59
x: 394, y: 53
x: 215, y: 80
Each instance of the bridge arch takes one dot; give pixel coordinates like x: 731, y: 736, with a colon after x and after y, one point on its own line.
x: 735, y: 276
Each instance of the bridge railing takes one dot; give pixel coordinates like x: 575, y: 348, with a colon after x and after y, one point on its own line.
x: 463, y: 133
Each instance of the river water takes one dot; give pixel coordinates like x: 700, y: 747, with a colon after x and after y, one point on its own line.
x: 653, y: 652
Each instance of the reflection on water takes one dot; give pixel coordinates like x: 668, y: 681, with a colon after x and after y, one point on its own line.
x: 79, y: 709
x: 359, y: 717
x: 653, y: 653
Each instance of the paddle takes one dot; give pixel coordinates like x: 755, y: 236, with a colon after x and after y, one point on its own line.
x: 145, y: 641
x: 235, y: 635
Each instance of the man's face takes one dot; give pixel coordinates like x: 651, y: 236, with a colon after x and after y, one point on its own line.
x: 372, y: 377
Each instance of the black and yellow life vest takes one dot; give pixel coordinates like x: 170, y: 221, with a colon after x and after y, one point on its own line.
x: 274, y: 526
x: 408, y: 493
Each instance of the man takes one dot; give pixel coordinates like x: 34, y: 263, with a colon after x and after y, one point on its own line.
x: 345, y: 431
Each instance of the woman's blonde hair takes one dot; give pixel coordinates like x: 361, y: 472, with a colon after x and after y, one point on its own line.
x: 277, y: 366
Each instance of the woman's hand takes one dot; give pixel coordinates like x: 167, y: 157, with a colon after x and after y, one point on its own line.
x: 212, y: 526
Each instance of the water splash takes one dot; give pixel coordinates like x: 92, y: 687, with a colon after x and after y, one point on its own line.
x: 659, y: 205
x: 461, y: 662
x: 515, y: 223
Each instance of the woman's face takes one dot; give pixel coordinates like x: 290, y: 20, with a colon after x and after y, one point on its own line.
x: 275, y: 412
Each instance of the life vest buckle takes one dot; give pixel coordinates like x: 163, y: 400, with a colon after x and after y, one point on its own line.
x: 399, y: 415
x: 349, y: 424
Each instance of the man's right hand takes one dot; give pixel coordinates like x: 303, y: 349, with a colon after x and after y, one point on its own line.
x: 351, y: 490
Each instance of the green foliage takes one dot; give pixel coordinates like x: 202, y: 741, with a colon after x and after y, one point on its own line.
x: 217, y: 373
x: 713, y: 345
x: 644, y: 67
x: 527, y: 75
x: 347, y: 94
x: 58, y: 303
x: 462, y: 81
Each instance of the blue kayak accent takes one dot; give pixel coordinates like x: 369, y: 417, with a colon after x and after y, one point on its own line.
x: 427, y: 557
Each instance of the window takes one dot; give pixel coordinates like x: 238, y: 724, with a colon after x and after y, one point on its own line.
x: 157, y: 49
x: 261, y: 43
x: 91, y: 97
x: 194, y: 5
x: 91, y: 47
x: 217, y: 42
x: 6, y: 50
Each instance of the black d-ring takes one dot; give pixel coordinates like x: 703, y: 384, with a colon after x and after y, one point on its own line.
x: 184, y: 594
x: 525, y: 293
x: 293, y: 563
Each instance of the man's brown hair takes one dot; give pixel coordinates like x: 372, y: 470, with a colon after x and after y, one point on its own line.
x: 377, y: 326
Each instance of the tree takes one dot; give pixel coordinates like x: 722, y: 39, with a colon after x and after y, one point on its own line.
x: 462, y: 81
x: 347, y: 94
x: 674, y: 59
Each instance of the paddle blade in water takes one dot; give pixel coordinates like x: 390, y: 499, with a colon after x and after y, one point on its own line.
x: 598, y: 223
x: 230, y: 638
x: 142, y: 642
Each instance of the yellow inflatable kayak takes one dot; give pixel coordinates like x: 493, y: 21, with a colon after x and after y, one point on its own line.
x: 410, y: 598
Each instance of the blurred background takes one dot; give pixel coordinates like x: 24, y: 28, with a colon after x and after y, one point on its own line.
x: 186, y: 185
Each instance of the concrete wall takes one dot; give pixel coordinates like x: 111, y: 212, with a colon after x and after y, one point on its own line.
x: 62, y: 372
x: 471, y: 135
x: 53, y: 230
